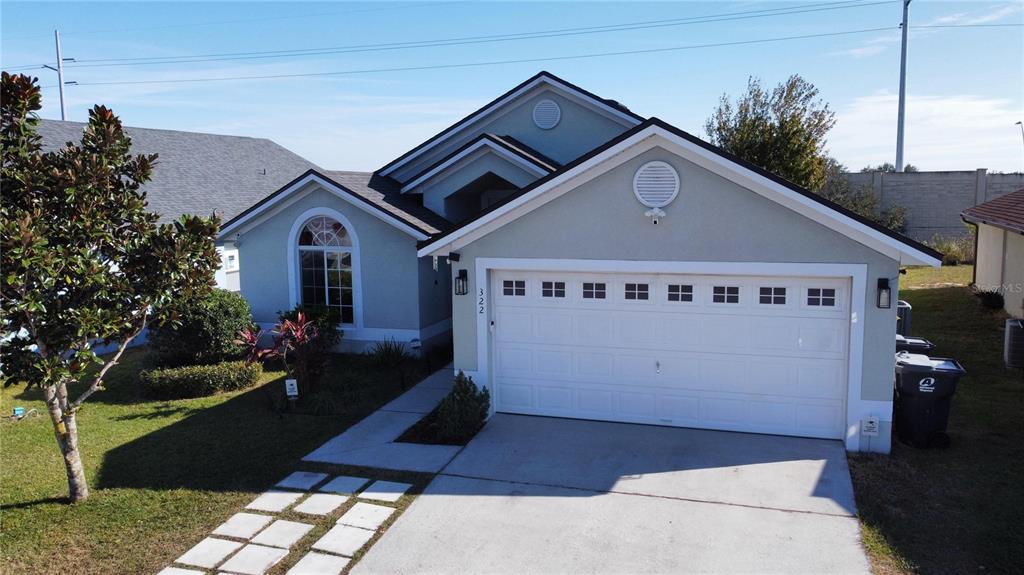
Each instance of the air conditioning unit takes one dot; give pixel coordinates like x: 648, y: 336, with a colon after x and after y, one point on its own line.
x: 1013, y: 345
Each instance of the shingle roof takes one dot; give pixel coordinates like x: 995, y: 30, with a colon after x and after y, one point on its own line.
x: 386, y: 194
x: 199, y: 173
x: 1005, y: 212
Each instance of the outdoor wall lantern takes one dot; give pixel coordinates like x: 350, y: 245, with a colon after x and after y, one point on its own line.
x: 884, y: 293
x: 462, y: 283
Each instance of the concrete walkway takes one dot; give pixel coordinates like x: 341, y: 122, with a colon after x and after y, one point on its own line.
x: 371, y: 442
x: 547, y: 495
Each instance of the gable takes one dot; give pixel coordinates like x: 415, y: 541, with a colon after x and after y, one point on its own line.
x: 586, y: 122
x: 655, y: 133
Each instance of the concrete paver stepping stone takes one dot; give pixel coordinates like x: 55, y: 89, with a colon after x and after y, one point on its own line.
x: 274, y: 500
x: 321, y: 503
x: 314, y: 563
x: 302, y: 480
x: 208, y: 552
x: 179, y: 571
x: 343, y: 540
x: 282, y: 533
x: 385, y: 491
x: 243, y: 525
x: 366, y: 515
x: 254, y: 560
x: 344, y: 484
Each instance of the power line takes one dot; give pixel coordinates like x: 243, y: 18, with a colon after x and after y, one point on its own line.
x: 1015, y: 25
x: 491, y: 63
x: 458, y: 41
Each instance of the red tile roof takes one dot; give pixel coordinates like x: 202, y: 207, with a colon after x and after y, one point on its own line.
x: 1005, y: 212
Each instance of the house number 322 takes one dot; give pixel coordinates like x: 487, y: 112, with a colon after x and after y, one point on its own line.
x: 481, y: 302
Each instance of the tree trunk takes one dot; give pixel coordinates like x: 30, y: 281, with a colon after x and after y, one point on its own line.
x: 65, y: 429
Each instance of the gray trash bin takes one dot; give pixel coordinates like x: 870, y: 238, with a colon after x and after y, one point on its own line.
x: 903, y: 312
x: 914, y: 345
x: 924, y: 390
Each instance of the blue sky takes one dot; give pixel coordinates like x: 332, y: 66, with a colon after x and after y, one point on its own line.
x: 966, y: 85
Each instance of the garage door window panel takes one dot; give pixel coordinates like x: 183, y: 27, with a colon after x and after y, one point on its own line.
x: 725, y: 295
x: 772, y: 295
x: 679, y: 293
x: 636, y: 291
x: 594, y: 290
x: 513, y: 288
x: 552, y: 289
x: 821, y: 297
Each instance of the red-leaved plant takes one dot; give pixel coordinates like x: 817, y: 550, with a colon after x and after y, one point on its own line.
x: 296, y: 343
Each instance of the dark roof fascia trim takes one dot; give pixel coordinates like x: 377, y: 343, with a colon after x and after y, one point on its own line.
x: 312, y: 172
x: 716, y: 150
x: 1010, y: 227
x: 521, y: 85
x: 490, y: 138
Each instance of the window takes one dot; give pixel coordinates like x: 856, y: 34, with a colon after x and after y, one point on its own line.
x: 593, y: 290
x: 325, y: 267
x: 725, y: 294
x: 552, y: 289
x: 231, y: 263
x: 772, y: 295
x: 513, y: 287
x: 636, y: 291
x: 823, y: 297
x: 679, y: 292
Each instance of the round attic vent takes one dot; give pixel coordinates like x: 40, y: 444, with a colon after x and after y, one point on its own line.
x: 546, y: 114
x: 656, y: 184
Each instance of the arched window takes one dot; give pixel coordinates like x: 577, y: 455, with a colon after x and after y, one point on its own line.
x: 325, y: 267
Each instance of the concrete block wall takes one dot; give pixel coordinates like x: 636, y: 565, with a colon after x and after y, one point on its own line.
x: 934, y: 200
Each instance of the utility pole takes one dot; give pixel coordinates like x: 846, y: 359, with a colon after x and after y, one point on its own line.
x: 60, y: 75
x: 1021, y: 124
x: 903, y: 89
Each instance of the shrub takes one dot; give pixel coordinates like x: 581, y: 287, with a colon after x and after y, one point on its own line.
x: 207, y: 332
x: 955, y: 249
x: 991, y: 299
x: 324, y: 318
x: 198, y: 380
x: 389, y: 353
x: 463, y: 411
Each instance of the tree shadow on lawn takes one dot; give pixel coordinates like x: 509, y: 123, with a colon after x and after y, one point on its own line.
x: 241, y: 444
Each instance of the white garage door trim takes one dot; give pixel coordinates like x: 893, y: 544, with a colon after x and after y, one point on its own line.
x: 857, y: 273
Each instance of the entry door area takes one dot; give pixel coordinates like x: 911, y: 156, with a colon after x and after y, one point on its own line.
x: 738, y: 353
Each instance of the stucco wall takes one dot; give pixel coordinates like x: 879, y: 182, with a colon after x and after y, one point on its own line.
x: 1000, y: 266
x: 579, y: 131
x: 713, y: 219
x: 388, y: 262
x: 438, y: 188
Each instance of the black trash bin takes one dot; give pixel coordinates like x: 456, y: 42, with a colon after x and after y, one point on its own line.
x: 914, y: 344
x: 924, y: 390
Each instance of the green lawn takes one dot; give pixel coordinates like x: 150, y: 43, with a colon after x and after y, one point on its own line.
x: 957, y: 510
x: 162, y: 473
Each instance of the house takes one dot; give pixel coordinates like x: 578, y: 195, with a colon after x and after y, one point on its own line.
x: 999, y: 248
x: 592, y: 263
x: 199, y: 173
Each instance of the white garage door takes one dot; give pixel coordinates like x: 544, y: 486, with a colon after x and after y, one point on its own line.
x: 742, y: 353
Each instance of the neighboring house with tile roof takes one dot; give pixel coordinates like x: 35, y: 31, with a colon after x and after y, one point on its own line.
x: 999, y: 248
x: 588, y: 262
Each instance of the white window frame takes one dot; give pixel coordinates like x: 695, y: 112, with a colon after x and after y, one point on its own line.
x: 295, y: 276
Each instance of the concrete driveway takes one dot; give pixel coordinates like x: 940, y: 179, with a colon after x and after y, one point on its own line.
x: 547, y: 495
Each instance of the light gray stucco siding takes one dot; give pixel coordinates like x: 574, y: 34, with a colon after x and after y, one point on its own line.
x: 388, y: 264
x: 579, y: 131
x: 711, y: 220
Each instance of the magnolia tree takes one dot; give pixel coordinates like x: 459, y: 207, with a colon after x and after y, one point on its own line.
x: 82, y: 261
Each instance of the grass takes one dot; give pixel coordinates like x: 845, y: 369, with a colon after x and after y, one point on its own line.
x: 955, y: 510
x: 162, y: 474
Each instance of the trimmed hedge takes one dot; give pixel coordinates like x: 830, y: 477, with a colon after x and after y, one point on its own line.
x: 198, y: 380
x: 207, y: 333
